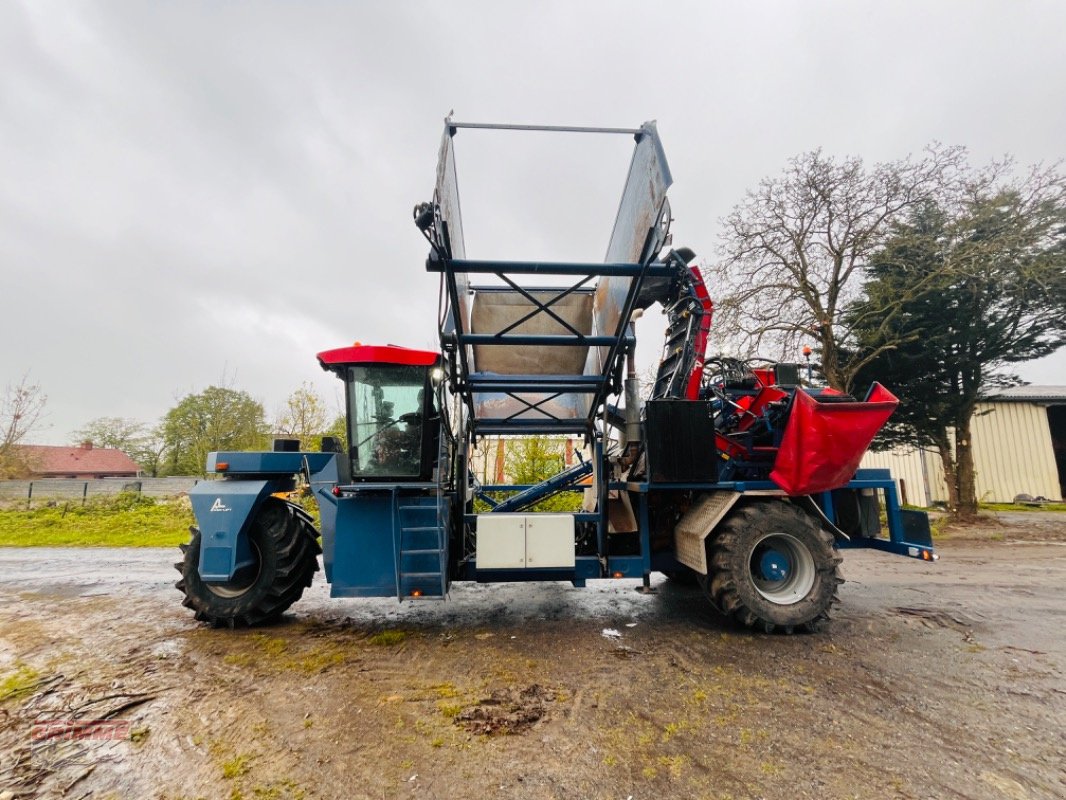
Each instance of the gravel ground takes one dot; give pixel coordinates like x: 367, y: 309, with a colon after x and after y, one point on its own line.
x: 939, y: 680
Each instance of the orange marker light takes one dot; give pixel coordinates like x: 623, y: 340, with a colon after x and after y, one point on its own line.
x: 416, y: 593
x: 221, y: 466
x: 617, y: 575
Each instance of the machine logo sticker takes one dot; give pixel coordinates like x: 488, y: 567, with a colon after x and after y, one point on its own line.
x: 218, y: 505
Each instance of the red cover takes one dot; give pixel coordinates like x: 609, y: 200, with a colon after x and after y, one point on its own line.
x: 377, y: 354
x: 824, y: 442
x: 692, y: 388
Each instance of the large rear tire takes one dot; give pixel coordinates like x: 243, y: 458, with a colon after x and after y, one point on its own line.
x: 773, y: 568
x: 286, y: 550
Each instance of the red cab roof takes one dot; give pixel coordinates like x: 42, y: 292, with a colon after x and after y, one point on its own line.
x: 377, y: 354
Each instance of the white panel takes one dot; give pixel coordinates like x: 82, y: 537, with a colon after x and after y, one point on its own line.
x: 549, y: 540
x: 1013, y: 453
x: 501, y: 541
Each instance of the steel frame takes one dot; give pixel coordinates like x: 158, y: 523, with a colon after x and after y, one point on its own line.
x: 640, y: 232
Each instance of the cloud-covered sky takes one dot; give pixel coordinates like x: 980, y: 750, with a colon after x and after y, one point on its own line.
x: 203, y: 192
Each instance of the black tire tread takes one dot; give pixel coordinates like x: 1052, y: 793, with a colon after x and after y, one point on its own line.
x: 285, y: 527
x: 722, y: 559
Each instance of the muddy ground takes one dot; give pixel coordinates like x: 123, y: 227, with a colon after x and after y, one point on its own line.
x: 936, y: 680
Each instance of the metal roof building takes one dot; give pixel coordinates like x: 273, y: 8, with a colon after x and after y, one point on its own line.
x: 1019, y: 444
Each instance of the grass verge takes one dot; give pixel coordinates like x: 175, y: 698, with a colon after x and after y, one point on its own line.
x: 126, y: 520
x: 1022, y: 506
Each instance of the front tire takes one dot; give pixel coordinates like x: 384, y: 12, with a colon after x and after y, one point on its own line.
x: 286, y: 551
x: 773, y: 568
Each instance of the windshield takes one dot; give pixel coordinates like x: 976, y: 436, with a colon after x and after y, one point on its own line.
x: 385, y: 407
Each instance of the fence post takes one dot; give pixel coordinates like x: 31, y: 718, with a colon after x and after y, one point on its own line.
x: 29, y: 497
x: 84, y: 493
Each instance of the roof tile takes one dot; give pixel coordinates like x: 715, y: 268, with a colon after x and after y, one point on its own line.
x: 49, y: 459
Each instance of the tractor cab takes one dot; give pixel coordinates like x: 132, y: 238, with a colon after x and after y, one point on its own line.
x: 393, y: 425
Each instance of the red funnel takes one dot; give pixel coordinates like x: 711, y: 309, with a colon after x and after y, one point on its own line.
x: 825, y: 441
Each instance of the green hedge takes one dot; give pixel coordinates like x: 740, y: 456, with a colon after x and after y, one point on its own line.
x: 124, y: 520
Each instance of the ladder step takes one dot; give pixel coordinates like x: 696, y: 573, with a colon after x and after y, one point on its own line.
x: 419, y: 522
x: 421, y: 539
x: 421, y: 546
x: 421, y: 559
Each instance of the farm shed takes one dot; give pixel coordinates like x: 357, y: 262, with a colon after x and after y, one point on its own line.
x: 1019, y: 442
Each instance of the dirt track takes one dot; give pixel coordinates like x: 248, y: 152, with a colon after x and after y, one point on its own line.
x: 932, y: 681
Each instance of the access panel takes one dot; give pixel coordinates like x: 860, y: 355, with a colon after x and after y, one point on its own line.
x: 525, y: 541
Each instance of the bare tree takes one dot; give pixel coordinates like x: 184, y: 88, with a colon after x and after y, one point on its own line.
x: 121, y: 433
x: 304, y: 416
x: 795, y: 249
x: 21, y: 409
x: 141, y: 442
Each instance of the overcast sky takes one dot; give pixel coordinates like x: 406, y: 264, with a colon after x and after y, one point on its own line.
x: 195, y: 193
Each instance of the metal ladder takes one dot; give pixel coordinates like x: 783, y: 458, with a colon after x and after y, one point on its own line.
x: 422, y: 549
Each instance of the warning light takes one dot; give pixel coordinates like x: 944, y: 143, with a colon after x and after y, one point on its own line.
x: 806, y: 351
x: 617, y: 575
x: 336, y: 491
x: 221, y: 466
x: 416, y: 593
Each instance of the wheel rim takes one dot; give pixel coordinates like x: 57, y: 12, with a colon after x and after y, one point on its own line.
x: 782, y: 568
x: 242, y: 581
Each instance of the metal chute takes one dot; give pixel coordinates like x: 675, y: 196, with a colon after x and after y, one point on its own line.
x: 543, y: 359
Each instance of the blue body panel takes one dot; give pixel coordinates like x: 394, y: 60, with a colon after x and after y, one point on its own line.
x: 382, y: 540
x: 322, y: 483
x: 267, y: 463
x: 363, y: 556
x: 223, y: 511
x: 224, y: 508
x: 908, y: 531
x: 389, y: 540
